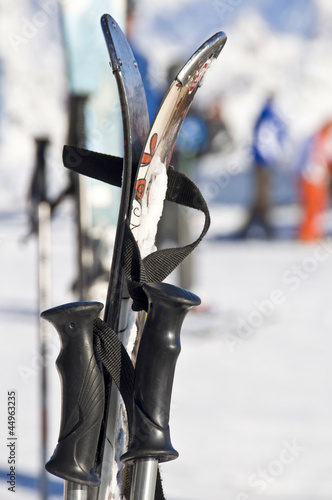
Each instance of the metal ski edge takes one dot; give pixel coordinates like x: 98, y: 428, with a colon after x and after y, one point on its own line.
x: 209, y: 49
x: 106, y: 22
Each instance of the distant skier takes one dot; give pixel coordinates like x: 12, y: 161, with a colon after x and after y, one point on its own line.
x: 153, y: 93
x: 268, y: 142
x: 314, y: 167
x: 219, y: 138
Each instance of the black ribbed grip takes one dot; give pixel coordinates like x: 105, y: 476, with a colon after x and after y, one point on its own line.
x: 154, y: 372
x: 82, y: 393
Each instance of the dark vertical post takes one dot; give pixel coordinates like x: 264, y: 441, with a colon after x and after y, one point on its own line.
x: 77, y: 137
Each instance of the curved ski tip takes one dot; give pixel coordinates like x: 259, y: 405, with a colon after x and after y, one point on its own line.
x: 105, y: 18
x: 108, y: 23
x: 207, y: 51
x: 117, y: 44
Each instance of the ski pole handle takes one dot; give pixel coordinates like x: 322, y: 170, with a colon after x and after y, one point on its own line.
x: 154, y: 372
x: 82, y: 393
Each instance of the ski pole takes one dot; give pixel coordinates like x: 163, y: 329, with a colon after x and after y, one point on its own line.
x: 82, y: 398
x: 44, y: 278
x: 159, y: 348
x: 41, y: 223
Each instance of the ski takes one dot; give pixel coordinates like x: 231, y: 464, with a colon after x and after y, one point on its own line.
x: 135, y: 120
x: 156, y: 158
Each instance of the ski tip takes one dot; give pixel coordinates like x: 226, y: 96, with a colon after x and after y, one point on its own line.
x: 105, y: 19
x: 108, y: 25
x: 108, y: 19
x: 208, y: 51
x: 117, y: 44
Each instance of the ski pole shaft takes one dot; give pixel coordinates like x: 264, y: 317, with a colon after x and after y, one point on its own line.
x: 154, y: 373
x: 44, y: 260
x: 144, y: 479
x: 77, y: 136
x: 44, y: 271
x: 82, y: 397
x: 75, y: 491
x: 43, y: 226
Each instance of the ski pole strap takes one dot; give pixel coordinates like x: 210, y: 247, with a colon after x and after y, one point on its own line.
x: 99, y: 166
x: 117, y: 362
x: 180, y: 189
x: 156, y: 266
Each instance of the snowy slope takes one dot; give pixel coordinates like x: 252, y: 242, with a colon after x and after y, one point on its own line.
x: 253, y: 378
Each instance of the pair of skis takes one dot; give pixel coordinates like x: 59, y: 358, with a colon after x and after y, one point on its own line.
x: 138, y: 351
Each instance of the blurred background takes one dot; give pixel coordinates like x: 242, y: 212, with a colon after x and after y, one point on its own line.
x: 252, y: 402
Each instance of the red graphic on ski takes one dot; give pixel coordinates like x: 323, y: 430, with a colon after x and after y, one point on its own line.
x: 146, y: 159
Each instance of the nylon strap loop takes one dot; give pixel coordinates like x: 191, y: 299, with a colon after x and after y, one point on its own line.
x: 158, y: 265
x: 118, y: 364
x: 180, y: 189
x: 116, y: 360
x: 102, y: 167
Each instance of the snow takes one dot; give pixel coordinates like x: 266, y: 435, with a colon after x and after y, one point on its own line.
x: 241, y: 393
x: 253, y: 376
x: 152, y: 207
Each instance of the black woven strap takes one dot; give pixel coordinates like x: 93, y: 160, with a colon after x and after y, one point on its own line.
x: 117, y: 362
x: 98, y: 166
x: 158, y: 265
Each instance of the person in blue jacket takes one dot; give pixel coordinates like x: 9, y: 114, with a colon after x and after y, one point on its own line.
x: 153, y: 92
x: 268, y: 141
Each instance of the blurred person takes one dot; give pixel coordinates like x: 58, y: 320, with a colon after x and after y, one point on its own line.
x: 314, y: 176
x: 204, y: 132
x: 219, y: 137
x: 173, y: 227
x: 268, y: 142
x: 152, y: 81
